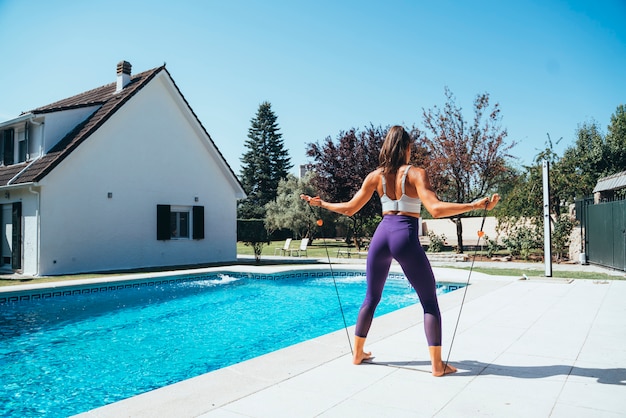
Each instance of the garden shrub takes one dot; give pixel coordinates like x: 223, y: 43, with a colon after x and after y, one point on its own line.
x: 492, y: 246
x: 521, y: 241
x: 252, y: 232
x: 437, y: 242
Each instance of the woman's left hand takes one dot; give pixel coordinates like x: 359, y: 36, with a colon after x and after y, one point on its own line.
x: 487, y: 203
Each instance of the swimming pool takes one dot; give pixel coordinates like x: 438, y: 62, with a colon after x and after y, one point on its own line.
x: 72, y: 350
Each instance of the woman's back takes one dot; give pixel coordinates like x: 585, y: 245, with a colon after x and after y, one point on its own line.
x: 392, y: 185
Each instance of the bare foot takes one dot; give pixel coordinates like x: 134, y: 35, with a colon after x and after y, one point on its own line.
x: 443, y: 369
x: 359, y: 357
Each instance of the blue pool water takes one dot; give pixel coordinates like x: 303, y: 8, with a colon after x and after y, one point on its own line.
x: 69, y: 354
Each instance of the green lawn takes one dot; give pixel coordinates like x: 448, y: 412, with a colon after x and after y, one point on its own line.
x: 317, y: 249
x: 540, y: 272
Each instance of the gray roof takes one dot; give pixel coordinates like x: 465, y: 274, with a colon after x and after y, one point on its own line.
x: 32, y: 171
x: 612, y: 182
x: 110, y: 102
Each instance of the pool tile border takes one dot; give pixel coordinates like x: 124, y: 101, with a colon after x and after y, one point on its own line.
x: 73, y: 289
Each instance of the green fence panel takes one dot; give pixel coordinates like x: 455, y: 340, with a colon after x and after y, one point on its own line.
x: 599, y: 234
x: 605, y: 231
x: 619, y: 235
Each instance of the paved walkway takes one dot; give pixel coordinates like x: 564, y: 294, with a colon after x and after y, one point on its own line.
x: 524, y: 348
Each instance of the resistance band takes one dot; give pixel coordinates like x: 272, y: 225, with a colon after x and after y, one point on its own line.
x: 320, y: 223
x: 481, y: 233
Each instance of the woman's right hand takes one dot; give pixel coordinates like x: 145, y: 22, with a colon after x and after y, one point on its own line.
x: 313, y: 201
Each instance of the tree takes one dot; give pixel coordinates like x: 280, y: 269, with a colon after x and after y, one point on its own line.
x: 584, y: 162
x: 524, y: 201
x: 521, y: 210
x: 469, y: 160
x: 288, y: 211
x: 264, y: 164
x: 616, y: 141
x: 342, y: 165
x: 595, y: 155
x: 572, y: 176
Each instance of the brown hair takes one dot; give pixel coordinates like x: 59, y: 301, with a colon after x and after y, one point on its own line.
x: 393, y: 152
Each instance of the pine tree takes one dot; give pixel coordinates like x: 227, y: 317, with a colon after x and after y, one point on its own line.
x: 264, y: 164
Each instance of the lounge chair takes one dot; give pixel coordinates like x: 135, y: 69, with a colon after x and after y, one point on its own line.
x: 284, y: 249
x: 302, y: 249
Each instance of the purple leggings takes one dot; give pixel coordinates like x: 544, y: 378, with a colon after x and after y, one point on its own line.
x: 396, y: 238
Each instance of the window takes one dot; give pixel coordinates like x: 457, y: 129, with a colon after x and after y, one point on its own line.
x: 180, y: 222
x: 22, y: 146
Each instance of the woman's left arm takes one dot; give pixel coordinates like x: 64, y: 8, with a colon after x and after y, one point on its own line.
x: 441, y: 209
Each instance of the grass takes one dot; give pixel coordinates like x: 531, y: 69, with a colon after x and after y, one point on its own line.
x: 319, y: 249
x: 316, y: 250
x: 540, y: 272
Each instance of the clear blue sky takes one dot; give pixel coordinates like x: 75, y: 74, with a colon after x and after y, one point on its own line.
x: 327, y: 66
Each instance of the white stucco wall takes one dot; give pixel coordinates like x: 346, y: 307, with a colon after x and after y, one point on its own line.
x: 57, y: 125
x: 148, y: 153
x: 29, y: 225
x: 471, y: 226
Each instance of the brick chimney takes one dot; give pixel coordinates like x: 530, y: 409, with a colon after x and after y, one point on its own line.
x: 123, y: 75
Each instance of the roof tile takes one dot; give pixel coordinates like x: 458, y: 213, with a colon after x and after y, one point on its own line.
x: 35, y: 170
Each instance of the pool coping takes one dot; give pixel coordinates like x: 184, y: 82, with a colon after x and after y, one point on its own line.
x: 40, y: 291
x: 24, y: 292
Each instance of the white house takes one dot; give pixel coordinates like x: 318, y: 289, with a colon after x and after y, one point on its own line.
x: 123, y: 176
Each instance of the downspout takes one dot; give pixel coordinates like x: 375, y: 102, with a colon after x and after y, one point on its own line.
x: 31, y: 190
x: 38, y: 226
x: 42, y: 145
x: 26, y: 138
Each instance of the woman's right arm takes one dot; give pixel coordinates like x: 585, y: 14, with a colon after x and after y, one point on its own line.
x: 440, y: 209
x: 361, y: 197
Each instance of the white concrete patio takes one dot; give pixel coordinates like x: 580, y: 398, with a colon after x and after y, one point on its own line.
x: 524, y: 348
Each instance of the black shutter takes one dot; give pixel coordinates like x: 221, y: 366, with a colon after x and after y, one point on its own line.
x: 198, y: 222
x: 16, y: 256
x: 8, y: 147
x: 2, y: 135
x: 3, y: 233
x: 163, y: 222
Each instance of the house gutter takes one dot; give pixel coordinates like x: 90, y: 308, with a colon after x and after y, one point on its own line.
x: 18, y: 186
x: 27, y: 117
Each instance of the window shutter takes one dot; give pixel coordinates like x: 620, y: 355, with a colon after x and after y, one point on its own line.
x: 198, y: 222
x: 2, y: 136
x: 8, y: 147
x: 163, y: 222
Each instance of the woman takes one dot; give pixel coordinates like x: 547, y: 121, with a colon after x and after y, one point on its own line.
x: 403, y: 189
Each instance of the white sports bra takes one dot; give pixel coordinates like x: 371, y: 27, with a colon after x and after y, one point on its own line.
x: 404, y: 204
